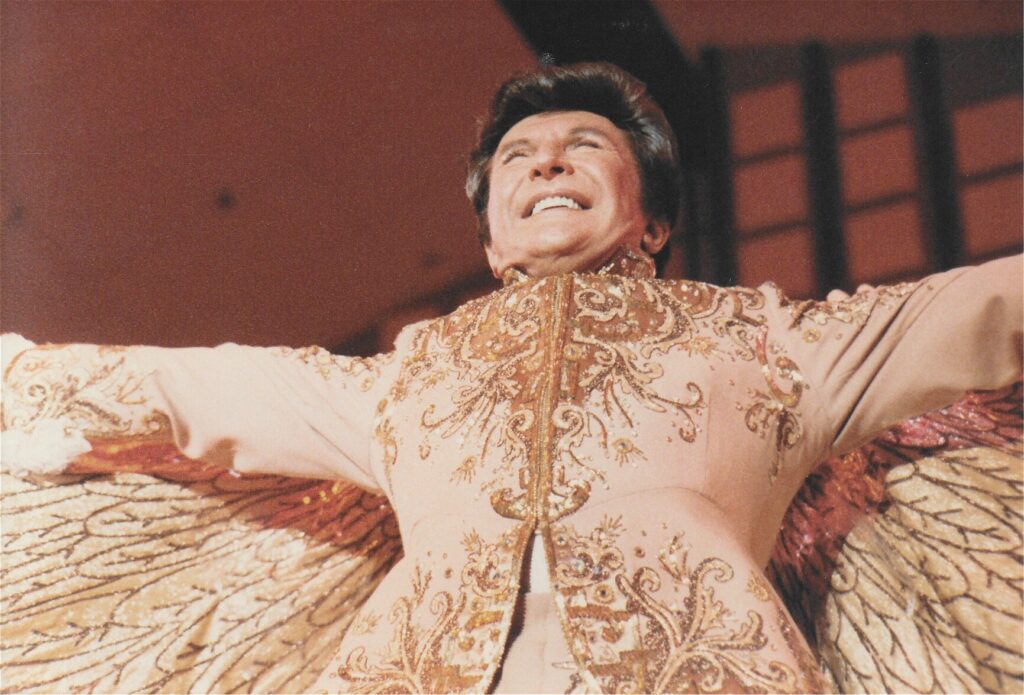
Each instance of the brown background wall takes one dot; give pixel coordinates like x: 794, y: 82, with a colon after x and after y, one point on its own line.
x: 291, y: 173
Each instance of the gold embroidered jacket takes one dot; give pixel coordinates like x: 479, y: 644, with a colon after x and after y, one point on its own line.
x: 651, y: 432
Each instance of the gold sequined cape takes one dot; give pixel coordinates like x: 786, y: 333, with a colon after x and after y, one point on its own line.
x: 653, y: 433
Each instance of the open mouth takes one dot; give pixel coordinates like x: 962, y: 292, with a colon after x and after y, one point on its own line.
x: 555, y: 201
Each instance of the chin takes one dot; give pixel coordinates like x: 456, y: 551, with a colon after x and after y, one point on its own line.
x: 561, y: 240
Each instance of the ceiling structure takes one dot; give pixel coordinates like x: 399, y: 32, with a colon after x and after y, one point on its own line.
x: 286, y: 173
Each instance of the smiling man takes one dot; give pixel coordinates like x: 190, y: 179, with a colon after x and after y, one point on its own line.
x: 590, y: 148
x: 589, y: 467
x: 565, y: 194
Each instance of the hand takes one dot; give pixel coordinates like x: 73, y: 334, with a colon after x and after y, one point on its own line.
x: 46, y: 448
x: 42, y: 446
x: 12, y: 344
x: 839, y: 295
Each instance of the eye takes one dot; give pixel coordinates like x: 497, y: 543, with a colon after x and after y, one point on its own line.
x: 587, y: 142
x: 512, y: 154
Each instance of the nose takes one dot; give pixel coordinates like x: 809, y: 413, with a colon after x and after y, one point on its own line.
x: 550, y: 164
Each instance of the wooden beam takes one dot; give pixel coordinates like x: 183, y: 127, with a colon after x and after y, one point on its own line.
x: 823, y: 182
x: 940, y: 203
x: 720, y: 228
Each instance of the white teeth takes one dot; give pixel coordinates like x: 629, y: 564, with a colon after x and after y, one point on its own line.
x: 555, y: 201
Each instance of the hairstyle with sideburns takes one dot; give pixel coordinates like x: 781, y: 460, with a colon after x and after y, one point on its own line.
x: 601, y: 88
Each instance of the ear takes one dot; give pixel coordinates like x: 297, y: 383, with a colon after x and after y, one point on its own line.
x: 655, y: 236
x: 492, y: 260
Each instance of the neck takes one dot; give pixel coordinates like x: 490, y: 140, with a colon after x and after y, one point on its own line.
x: 624, y: 261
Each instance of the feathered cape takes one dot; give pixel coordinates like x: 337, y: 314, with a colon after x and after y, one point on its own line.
x: 902, y: 561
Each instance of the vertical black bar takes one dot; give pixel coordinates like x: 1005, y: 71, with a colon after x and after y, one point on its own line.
x: 823, y: 183
x: 721, y: 218
x: 692, y: 226
x: 935, y: 155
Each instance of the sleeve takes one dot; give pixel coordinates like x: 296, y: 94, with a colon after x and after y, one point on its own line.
x: 889, y: 353
x: 295, y: 412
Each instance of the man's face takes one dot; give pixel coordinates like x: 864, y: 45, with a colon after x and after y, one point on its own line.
x: 564, y: 196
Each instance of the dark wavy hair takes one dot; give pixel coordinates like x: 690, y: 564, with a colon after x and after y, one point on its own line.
x: 601, y: 88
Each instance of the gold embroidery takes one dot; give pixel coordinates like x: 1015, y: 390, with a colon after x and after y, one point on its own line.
x: 629, y: 262
x: 588, y: 559
x: 626, y: 451
x: 485, y: 572
x: 384, y: 434
x: 758, y: 587
x: 812, y: 335
x: 740, y: 325
x: 611, y: 318
x: 626, y: 262
x: 693, y: 646
x: 421, y: 654
x: 365, y: 369
x: 853, y: 310
x: 413, y: 662
x: 508, y: 359
x: 364, y: 623
x: 696, y: 652
x: 546, y: 382
x: 569, y: 494
x: 774, y: 411
x: 95, y: 390
x: 498, y: 343
x: 465, y: 471
x: 813, y: 678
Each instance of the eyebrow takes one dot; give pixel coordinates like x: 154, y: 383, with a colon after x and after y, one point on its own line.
x: 511, y: 144
x: 585, y: 130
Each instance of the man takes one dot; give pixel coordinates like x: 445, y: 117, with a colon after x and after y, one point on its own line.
x: 639, y: 439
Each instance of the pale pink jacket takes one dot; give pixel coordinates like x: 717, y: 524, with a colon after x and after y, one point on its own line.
x: 652, y: 432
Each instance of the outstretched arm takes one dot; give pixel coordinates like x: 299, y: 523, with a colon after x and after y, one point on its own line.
x: 889, y: 353
x: 291, y: 412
